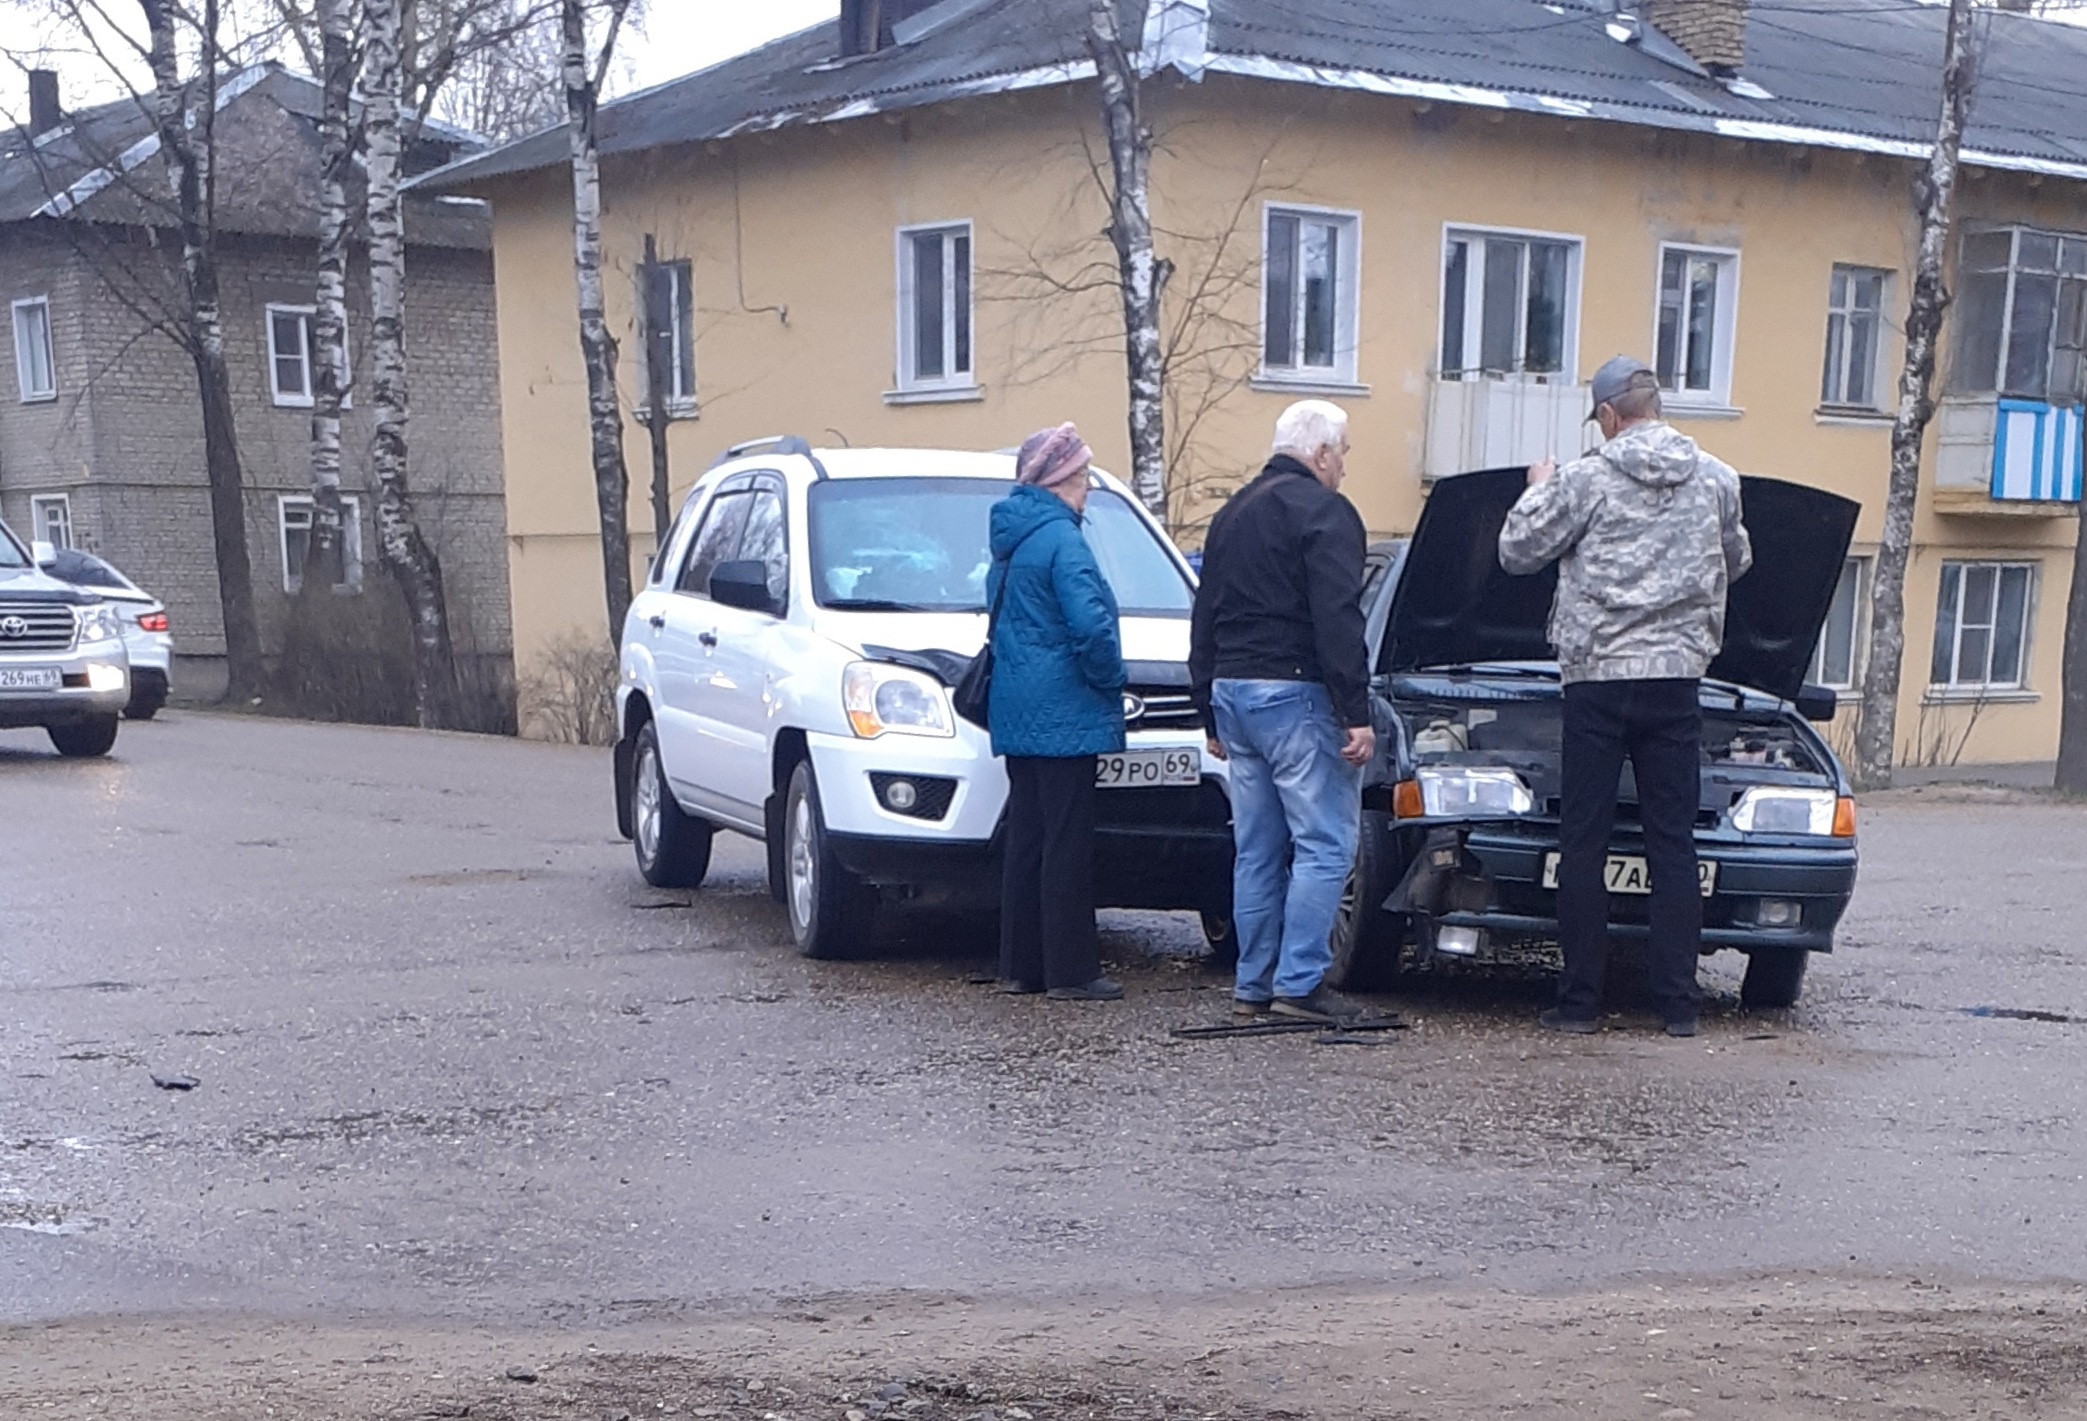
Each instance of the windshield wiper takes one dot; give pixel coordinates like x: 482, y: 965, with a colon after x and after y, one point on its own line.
x: 883, y: 604
x: 1490, y: 668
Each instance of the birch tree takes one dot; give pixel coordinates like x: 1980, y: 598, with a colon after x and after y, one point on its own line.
x: 185, y: 117
x: 1142, y: 277
x: 2072, y: 724
x: 1934, y: 202
x: 330, y: 318
x: 406, y: 553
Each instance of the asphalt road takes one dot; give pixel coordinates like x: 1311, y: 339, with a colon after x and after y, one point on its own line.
x: 457, y: 1064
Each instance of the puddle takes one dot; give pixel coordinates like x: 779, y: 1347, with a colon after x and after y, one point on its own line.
x: 463, y: 877
x: 2024, y: 1014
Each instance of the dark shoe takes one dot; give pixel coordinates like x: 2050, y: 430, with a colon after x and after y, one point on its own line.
x: 1015, y: 988
x: 1323, y: 1005
x: 1681, y: 1028
x: 1101, y: 989
x: 1252, y: 1011
x: 1556, y: 1020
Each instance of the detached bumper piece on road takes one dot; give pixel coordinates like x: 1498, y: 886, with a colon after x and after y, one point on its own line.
x: 1332, y: 1033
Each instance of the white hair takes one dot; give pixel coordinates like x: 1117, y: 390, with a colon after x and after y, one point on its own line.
x: 1309, y: 426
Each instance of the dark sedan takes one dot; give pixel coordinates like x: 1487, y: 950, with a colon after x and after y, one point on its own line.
x: 1459, y: 850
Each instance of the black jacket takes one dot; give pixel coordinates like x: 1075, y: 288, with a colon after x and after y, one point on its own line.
x: 1281, y: 593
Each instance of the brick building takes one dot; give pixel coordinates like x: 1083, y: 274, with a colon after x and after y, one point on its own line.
x: 101, y: 442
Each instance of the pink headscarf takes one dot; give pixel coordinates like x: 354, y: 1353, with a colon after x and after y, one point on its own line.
x: 1051, y: 456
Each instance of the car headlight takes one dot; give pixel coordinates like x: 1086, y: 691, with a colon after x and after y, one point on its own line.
x: 1787, y: 809
x: 98, y: 623
x: 882, y: 699
x: 1467, y: 791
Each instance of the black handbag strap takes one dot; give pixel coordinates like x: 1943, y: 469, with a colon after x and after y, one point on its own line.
x: 1000, y: 593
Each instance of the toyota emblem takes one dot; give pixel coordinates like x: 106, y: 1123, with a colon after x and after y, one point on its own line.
x: 1133, y: 706
x: 15, y: 627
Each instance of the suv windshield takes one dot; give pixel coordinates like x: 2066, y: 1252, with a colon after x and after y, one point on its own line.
x: 12, y: 554
x: 920, y: 545
x: 87, y: 570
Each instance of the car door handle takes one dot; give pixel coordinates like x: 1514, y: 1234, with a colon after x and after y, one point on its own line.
x: 658, y: 620
x: 708, y: 639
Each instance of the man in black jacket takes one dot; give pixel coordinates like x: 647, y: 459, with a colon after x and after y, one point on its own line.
x: 1281, y: 676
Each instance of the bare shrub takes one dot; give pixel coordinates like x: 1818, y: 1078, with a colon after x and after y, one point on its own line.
x: 569, y: 694
x: 351, y: 659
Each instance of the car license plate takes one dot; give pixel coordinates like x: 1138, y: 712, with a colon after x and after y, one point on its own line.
x: 30, y: 678
x: 1627, y: 874
x: 1148, y: 769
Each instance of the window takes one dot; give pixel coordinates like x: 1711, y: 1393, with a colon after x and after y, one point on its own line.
x: 1508, y: 304
x: 671, y: 331
x: 1854, y: 318
x: 50, y: 514
x: 1698, y: 307
x: 35, y: 372
x: 717, y: 540
x: 292, y: 356
x: 1309, y: 275
x: 1982, y: 625
x: 2021, y: 316
x: 935, y: 307
x: 1837, y: 662
x: 294, y: 518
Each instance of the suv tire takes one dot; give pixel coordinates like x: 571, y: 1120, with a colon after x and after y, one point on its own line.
x: 148, y: 693
x: 1366, y: 941
x: 831, y: 912
x: 84, y: 739
x: 1774, y: 977
x: 673, y: 846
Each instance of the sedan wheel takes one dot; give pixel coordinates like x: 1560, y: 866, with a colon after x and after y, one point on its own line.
x: 1366, y: 940
x: 831, y: 912
x: 673, y: 846
x: 1774, y: 977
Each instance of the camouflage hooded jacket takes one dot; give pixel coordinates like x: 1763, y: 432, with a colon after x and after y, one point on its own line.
x: 1647, y: 534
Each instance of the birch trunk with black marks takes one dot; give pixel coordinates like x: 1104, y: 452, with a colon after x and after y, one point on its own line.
x: 597, y: 346
x: 2072, y: 724
x: 187, y: 125
x: 1877, y: 734
x: 412, y: 563
x: 1141, y: 276
x: 322, y: 563
x: 659, y: 357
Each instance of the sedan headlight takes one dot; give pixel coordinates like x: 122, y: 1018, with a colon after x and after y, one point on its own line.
x: 1788, y: 809
x: 99, y: 623
x: 1467, y: 791
x: 882, y: 699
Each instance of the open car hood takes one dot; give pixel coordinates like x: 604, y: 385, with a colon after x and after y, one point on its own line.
x: 1454, y: 605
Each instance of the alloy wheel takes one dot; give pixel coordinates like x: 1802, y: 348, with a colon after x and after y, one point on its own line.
x: 646, y: 805
x: 804, y: 868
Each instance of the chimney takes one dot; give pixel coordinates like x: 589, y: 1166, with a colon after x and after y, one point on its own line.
x: 1711, y: 32
x: 866, y: 25
x: 45, y: 113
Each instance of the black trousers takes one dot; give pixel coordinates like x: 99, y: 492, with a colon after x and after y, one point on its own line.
x: 1047, y: 888
x: 1658, y: 725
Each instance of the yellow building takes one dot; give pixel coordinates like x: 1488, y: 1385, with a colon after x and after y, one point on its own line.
x: 1441, y: 213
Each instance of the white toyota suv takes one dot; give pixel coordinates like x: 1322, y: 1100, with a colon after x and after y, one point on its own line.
x: 786, y: 672
x: 62, y: 663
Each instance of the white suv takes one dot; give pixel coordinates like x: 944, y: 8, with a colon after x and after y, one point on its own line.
x: 786, y: 674
x: 62, y: 663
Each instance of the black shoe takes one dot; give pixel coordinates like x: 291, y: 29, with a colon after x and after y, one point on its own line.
x: 1101, y: 989
x: 1556, y: 1020
x: 1016, y: 988
x: 1248, y: 1011
x: 1323, y: 1004
x: 1681, y: 1028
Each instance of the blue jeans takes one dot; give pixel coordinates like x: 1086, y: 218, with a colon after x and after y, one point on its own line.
x: 1296, y: 812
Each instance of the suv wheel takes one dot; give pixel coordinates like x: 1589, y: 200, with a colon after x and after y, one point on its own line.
x: 148, y: 693
x: 673, y: 846
x: 1774, y: 977
x: 1366, y: 940
x: 84, y: 738
x: 831, y: 913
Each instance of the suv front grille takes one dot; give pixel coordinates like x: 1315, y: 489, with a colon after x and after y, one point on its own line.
x: 35, y: 626
x: 1165, y: 708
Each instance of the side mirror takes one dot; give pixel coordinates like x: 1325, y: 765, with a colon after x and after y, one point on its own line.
x: 1818, y: 703
x: 742, y: 584
x: 44, y: 553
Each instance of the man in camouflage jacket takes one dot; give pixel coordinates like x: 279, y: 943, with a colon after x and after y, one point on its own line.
x: 1647, y: 534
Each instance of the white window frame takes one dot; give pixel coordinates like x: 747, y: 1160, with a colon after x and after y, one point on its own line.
x: 952, y: 381
x: 32, y: 394
x: 1474, y: 311
x: 1724, y: 336
x: 1342, y: 376
x: 681, y: 342
x: 1956, y: 685
x: 41, y: 505
x: 1838, y: 399
x: 1858, y: 631
x: 299, y: 508
x: 307, y: 317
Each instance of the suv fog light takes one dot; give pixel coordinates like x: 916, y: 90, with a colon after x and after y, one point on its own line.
x: 1458, y: 942
x: 901, y: 796
x: 101, y: 676
x: 1778, y: 913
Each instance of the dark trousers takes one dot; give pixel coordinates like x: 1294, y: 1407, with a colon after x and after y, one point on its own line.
x: 1659, y: 726
x: 1047, y: 889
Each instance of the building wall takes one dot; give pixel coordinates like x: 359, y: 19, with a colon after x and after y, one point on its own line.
x: 805, y: 220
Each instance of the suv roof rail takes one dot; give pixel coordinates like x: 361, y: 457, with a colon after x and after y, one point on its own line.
x: 774, y: 444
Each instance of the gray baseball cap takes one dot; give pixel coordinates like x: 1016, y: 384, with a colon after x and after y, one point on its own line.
x: 1621, y: 375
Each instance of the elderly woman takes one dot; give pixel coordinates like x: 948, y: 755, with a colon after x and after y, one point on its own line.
x: 1056, y: 703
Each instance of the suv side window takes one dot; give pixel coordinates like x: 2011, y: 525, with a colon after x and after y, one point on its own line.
x: 767, y: 541
x: 716, y: 540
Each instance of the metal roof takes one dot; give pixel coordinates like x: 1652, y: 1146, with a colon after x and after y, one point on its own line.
x: 1858, y: 74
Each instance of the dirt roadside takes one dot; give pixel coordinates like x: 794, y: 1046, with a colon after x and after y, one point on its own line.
x: 1782, y: 1347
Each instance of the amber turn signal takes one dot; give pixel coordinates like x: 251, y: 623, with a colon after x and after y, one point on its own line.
x: 1844, y: 818
x: 1406, y: 801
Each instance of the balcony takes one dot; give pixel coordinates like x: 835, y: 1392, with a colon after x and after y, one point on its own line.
x: 1489, y: 422
x: 1998, y: 455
